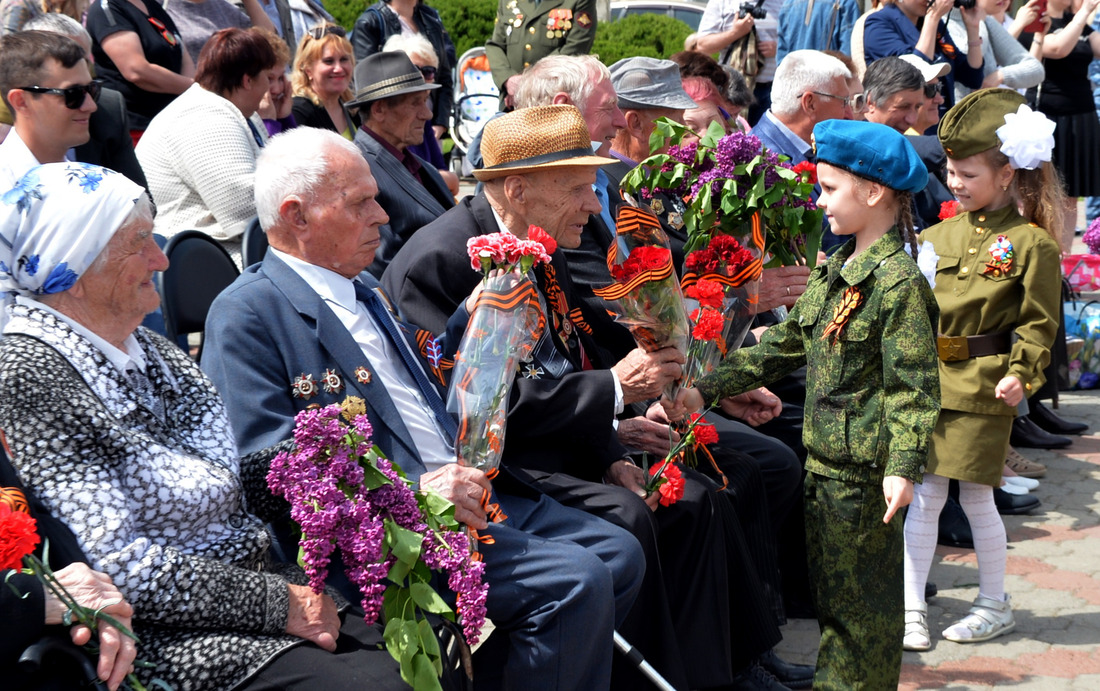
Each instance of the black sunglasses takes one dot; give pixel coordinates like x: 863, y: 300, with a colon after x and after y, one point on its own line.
x: 321, y: 30
x: 73, y: 95
x: 428, y: 71
x: 930, y: 90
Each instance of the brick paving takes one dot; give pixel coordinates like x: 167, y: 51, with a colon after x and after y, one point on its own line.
x: 1053, y: 576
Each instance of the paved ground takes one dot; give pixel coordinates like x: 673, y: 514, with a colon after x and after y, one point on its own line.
x: 1053, y: 576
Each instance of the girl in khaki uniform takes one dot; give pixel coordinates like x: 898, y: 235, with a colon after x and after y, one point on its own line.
x: 995, y: 276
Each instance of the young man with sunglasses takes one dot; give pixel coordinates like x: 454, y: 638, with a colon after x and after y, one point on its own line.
x: 44, y: 80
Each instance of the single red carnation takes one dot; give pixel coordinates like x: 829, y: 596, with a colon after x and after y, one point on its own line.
x: 543, y: 238
x: 672, y: 489
x: 709, y: 324
x: 708, y: 293
x: 704, y: 433
x: 17, y: 537
x: 702, y: 261
x: 949, y: 210
x: 807, y: 171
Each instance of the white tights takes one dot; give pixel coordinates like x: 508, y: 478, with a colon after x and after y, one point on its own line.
x: 922, y: 528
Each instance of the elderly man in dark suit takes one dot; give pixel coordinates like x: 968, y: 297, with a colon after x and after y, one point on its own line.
x: 394, y: 104
x: 539, y: 171
x: 560, y: 580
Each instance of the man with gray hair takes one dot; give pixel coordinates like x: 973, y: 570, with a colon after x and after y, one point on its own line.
x: 809, y: 87
x: 894, y: 92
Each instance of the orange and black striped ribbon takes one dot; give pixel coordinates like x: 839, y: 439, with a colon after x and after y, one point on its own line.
x: 750, y: 272
x: 849, y: 302
x: 14, y: 499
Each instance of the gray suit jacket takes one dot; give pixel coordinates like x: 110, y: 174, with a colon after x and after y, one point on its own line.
x: 410, y: 205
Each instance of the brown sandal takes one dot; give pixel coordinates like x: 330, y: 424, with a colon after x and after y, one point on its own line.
x: 1024, y: 467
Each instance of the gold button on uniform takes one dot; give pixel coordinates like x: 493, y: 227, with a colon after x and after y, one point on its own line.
x: 527, y: 47
x: 965, y: 270
x: 981, y: 219
x: 1028, y: 386
x: 979, y: 230
x: 531, y: 30
x: 972, y: 251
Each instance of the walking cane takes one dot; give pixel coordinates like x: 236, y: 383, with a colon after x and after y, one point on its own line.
x: 635, y: 656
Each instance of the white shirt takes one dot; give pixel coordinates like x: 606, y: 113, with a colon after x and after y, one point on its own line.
x: 15, y: 160
x: 719, y: 16
x: 338, y: 292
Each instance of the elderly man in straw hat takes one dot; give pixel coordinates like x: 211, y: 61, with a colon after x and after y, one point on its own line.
x: 394, y: 102
x: 539, y: 170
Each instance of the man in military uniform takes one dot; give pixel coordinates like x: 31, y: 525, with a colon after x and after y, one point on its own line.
x: 526, y: 31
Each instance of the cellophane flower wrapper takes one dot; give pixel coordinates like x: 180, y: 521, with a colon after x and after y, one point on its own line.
x: 503, y: 329
x: 726, y: 179
x: 645, y: 295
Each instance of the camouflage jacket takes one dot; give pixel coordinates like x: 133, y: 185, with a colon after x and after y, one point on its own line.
x: 872, y: 386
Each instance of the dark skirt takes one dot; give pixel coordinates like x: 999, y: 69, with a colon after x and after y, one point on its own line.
x: 1076, y: 141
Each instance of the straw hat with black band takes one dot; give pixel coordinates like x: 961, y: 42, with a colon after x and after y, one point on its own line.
x: 384, y: 75
x: 536, y: 138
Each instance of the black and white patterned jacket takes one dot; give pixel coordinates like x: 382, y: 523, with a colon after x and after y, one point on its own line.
x: 165, y: 507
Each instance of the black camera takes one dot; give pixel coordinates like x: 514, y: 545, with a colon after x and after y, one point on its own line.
x: 965, y: 4
x: 756, y: 9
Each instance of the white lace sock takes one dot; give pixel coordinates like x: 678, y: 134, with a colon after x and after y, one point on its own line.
x: 990, y: 543
x: 922, y: 527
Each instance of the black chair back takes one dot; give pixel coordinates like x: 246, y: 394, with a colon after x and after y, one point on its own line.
x: 253, y: 244
x: 199, y: 269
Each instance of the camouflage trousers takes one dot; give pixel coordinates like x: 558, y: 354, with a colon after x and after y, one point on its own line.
x: 855, y: 563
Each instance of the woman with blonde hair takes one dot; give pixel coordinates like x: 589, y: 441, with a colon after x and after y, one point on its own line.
x: 14, y: 14
x: 322, y: 81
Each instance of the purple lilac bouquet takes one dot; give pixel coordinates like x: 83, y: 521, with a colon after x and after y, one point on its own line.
x: 1091, y: 238
x: 345, y: 495
x: 723, y: 179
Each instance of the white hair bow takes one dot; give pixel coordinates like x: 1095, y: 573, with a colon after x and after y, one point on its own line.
x: 1027, y: 138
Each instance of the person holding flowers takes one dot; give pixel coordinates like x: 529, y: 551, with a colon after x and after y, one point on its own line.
x: 994, y: 274
x: 309, y: 325
x: 864, y: 330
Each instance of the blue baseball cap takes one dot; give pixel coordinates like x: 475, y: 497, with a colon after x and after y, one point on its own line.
x: 870, y: 150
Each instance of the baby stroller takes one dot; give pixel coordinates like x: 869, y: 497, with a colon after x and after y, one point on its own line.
x: 476, y: 99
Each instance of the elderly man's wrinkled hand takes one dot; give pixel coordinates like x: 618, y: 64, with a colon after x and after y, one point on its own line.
x: 781, y: 286
x: 95, y: 591
x: 464, y: 487
x: 642, y: 375
x: 313, y: 617
x: 754, y: 407
x: 647, y: 435
x: 625, y: 474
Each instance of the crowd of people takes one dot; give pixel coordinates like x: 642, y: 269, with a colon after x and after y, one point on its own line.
x: 907, y: 367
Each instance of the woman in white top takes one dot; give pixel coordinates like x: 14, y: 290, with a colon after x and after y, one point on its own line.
x: 1007, y: 63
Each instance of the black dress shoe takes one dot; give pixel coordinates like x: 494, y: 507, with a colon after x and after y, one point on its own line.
x: 1049, y: 421
x: 930, y: 591
x: 1027, y: 434
x: 954, y: 526
x: 756, y: 678
x: 1014, y: 504
x: 790, y: 675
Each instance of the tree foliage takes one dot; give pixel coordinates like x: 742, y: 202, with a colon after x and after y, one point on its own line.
x: 469, y: 22
x: 650, y: 35
x: 345, y: 12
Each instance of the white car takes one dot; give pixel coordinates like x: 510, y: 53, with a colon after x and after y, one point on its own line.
x: 687, y: 11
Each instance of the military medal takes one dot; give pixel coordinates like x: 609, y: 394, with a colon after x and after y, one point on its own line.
x: 558, y: 22
x: 331, y: 381
x: 1001, y: 255
x: 304, y: 387
x: 849, y: 302
x: 584, y: 20
x: 362, y: 375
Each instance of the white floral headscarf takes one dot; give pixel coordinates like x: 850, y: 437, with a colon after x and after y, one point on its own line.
x: 55, y: 222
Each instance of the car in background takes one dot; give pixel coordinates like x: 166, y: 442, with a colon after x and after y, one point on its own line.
x: 688, y: 12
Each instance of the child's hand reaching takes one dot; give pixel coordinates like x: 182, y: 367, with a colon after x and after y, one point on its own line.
x: 1010, y: 391
x: 898, y: 492
x: 687, y: 401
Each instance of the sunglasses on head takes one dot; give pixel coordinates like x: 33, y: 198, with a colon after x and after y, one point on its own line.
x: 428, y: 71
x: 73, y: 95
x: 321, y: 30
x: 930, y: 90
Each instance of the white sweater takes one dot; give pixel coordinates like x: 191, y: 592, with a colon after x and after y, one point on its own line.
x: 200, y: 159
x: 1019, y: 70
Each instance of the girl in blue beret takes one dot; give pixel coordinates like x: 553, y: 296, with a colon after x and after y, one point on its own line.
x: 995, y: 277
x: 864, y: 331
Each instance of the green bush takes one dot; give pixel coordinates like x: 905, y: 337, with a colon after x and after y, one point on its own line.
x: 650, y: 35
x: 469, y: 22
x: 345, y: 12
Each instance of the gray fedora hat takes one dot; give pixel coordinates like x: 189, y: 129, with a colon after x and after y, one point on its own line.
x: 642, y: 82
x: 387, y: 74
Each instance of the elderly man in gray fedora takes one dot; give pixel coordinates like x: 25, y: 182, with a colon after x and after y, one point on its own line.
x: 393, y: 102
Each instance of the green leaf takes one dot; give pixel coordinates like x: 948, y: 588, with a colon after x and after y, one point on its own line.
x: 373, y: 477
x: 404, y: 543
x: 430, y: 644
x: 401, y: 640
x: 427, y: 599
x: 424, y: 676
x: 399, y: 572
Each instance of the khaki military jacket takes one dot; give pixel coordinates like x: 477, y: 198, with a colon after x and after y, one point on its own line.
x: 525, y: 32
x: 974, y: 301
x: 872, y: 392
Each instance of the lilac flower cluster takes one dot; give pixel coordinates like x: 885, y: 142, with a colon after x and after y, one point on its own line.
x: 736, y: 149
x: 1091, y: 238
x: 323, y: 480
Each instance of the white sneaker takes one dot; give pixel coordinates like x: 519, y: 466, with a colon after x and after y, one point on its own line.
x: 987, y: 619
x: 1012, y: 488
x: 916, y: 629
x: 1026, y: 482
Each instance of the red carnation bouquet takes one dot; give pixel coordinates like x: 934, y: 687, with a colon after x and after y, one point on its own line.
x: 645, y: 295
x: 666, y: 477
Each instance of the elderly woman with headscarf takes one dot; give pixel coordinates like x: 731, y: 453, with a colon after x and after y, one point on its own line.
x: 122, y: 437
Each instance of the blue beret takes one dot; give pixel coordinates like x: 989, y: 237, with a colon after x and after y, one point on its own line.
x: 871, y: 151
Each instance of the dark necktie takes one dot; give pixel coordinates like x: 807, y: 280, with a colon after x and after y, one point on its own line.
x: 255, y: 133
x: 382, y: 318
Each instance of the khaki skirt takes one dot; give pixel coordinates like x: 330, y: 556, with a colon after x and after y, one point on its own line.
x: 970, y: 447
